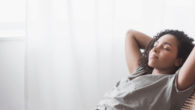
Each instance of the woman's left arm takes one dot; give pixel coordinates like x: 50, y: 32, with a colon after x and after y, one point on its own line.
x: 186, y: 76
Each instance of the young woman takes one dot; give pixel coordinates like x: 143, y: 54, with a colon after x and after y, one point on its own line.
x: 161, y: 78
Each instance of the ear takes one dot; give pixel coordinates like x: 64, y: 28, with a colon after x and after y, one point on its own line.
x: 178, y: 62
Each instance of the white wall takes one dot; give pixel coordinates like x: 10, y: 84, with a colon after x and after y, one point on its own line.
x: 12, y: 74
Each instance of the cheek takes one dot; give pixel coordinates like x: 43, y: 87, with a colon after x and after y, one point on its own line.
x: 168, y: 57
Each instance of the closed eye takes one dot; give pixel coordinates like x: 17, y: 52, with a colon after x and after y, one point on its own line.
x: 166, y: 45
x: 166, y: 49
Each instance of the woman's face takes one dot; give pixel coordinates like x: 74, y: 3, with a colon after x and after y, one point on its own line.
x: 164, y: 53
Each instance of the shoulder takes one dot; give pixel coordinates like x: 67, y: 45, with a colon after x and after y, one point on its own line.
x: 179, y: 96
x: 176, y: 86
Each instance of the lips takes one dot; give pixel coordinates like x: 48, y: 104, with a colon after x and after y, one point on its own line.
x: 154, y: 56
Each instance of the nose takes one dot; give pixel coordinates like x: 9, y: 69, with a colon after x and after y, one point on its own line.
x: 156, y: 49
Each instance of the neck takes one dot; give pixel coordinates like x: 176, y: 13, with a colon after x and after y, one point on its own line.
x: 163, y: 71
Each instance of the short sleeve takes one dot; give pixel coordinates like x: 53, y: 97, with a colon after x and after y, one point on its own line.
x: 179, y: 96
x: 191, y: 88
x: 139, y: 71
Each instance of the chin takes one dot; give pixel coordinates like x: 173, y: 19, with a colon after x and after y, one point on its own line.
x: 152, y: 65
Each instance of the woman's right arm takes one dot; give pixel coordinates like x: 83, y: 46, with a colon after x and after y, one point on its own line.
x: 133, y: 43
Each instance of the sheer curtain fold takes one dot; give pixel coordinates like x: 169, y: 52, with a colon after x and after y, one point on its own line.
x: 75, y: 49
x: 64, y: 54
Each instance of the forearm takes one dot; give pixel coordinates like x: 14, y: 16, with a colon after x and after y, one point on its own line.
x: 141, y: 39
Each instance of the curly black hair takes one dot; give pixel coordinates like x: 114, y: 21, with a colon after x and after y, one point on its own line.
x: 184, y: 48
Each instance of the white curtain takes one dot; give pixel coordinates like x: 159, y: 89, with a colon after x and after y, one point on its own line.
x: 75, y: 48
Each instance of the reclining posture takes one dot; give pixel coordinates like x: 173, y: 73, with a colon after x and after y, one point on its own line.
x: 161, y: 78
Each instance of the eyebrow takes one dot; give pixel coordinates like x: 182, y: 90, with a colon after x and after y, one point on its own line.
x: 168, y: 43
x: 165, y: 43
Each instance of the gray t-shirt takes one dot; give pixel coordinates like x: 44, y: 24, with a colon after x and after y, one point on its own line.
x: 145, y: 92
